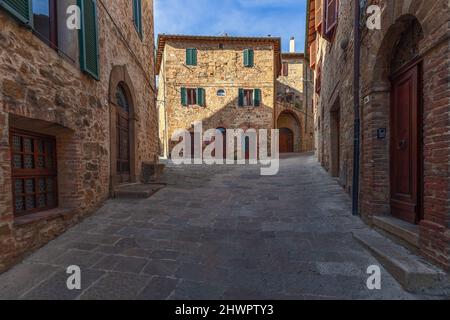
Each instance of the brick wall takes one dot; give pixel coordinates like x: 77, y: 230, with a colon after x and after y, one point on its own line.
x: 377, y: 49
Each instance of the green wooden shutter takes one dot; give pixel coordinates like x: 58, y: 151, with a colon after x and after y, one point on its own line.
x: 251, y: 58
x: 20, y: 9
x: 183, y: 96
x: 241, y: 98
x: 246, y: 57
x: 88, y: 37
x: 194, y: 57
x: 137, y: 16
x: 257, y: 97
x: 201, y: 97
x: 191, y: 57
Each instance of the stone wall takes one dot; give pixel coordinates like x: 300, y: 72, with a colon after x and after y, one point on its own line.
x: 218, y: 68
x: 299, y: 113
x: 45, y: 92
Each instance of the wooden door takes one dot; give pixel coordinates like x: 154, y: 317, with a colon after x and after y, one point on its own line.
x: 405, y: 146
x: 286, y: 140
x: 123, y: 146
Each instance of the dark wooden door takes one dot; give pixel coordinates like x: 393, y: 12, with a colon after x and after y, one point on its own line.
x: 405, y: 146
x: 123, y: 146
x: 286, y: 140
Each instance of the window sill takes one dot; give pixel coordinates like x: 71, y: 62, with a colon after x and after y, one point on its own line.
x: 43, y: 216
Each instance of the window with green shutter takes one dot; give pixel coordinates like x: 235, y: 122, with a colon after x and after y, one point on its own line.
x: 20, y: 9
x: 137, y: 16
x: 88, y: 37
x: 191, y: 57
x: 257, y: 97
x: 183, y: 96
x: 249, y: 58
x: 201, y: 97
x: 241, y: 98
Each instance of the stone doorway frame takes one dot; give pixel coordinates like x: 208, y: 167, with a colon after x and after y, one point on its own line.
x: 120, y: 76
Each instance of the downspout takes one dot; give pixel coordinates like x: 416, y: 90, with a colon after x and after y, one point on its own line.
x: 356, y: 101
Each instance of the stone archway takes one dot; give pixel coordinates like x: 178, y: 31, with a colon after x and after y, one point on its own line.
x: 395, y: 160
x: 288, y: 120
x: 123, y: 121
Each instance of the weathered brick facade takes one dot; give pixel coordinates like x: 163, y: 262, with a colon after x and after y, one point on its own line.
x: 333, y: 62
x: 44, y: 91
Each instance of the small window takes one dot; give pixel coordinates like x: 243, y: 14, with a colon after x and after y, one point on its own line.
x: 34, y: 171
x: 44, y: 21
x: 249, y: 58
x: 248, y: 98
x: 285, y: 69
x: 290, y: 97
x: 191, y: 57
x: 137, y: 16
x: 191, y: 97
x: 221, y: 93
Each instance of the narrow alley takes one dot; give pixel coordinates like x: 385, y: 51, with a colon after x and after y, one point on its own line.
x: 215, y: 232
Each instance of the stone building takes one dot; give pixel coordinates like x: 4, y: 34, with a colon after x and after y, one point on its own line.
x: 229, y: 83
x: 404, y: 112
x: 294, y: 107
x: 225, y: 82
x: 77, y: 112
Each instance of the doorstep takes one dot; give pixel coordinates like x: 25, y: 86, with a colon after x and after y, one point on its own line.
x: 137, y: 190
x: 398, y: 230
x: 414, y: 273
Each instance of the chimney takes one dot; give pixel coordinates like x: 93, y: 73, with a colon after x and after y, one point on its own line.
x: 292, y: 45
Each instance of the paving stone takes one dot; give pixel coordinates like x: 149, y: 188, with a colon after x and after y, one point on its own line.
x: 83, y: 259
x: 214, y: 232
x: 22, y: 278
x: 192, y: 290
x: 163, y: 268
x: 55, y: 288
x: 116, y: 286
x: 159, y: 288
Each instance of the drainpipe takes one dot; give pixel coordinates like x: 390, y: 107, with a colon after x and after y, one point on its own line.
x: 356, y: 101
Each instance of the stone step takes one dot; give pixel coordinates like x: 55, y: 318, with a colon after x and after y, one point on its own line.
x: 412, y: 272
x: 137, y: 190
x: 406, y: 233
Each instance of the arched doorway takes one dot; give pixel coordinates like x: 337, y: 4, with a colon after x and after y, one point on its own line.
x: 290, y: 132
x: 406, y: 126
x: 123, y: 123
x: 123, y: 134
x: 286, y: 140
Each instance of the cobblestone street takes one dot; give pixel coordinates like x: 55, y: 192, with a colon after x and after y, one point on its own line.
x: 213, y: 233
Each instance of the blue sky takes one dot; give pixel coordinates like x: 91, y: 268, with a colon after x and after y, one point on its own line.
x: 279, y: 18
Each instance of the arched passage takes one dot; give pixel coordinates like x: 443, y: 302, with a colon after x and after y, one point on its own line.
x: 123, y: 119
x: 397, y: 95
x: 290, y: 132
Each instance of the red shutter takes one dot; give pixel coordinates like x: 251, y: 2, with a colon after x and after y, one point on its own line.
x: 331, y: 16
x: 313, y: 54
x: 319, y: 15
